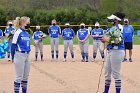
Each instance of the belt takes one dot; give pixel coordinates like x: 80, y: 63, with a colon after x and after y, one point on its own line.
x: 26, y: 52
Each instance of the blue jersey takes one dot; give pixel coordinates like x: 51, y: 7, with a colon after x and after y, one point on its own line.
x: 68, y: 34
x: 54, y: 31
x: 120, y: 46
x: 22, y: 40
x: 8, y: 30
x: 82, y: 33
x: 1, y: 33
x: 98, y: 32
x: 36, y: 35
x: 128, y: 32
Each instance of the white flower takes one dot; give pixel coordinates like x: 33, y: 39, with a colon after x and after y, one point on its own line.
x: 112, y: 41
x: 120, y: 39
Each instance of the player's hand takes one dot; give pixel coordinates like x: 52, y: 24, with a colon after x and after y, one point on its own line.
x: 36, y: 41
x: 104, y: 39
x: 97, y: 35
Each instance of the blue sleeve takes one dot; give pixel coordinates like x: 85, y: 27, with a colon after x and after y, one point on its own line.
x: 92, y: 32
x: 35, y: 37
x: 13, y: 49
x: 132, y: 30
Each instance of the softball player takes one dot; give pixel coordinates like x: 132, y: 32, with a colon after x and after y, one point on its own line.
x: 97, y: 34
x: 38, y: 42
x: 54, y: 31
x: 115, y: 56
x: 20, y: 50
x: 128, y: 38
x: 68, y: 34
x: 82, y: 36
x: 7, y: 32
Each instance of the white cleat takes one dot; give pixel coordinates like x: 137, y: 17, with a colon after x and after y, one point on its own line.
x: 93, y: 60
x: 9, y: 59
x: 56, y: 60
x: 73, y: 60
x: 103, y: 60
x: 64, y: 60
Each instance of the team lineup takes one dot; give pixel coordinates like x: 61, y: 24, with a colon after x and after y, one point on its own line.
x: 115, y: 40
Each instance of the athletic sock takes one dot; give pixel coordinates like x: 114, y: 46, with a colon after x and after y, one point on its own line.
x: 83, y: 56
x: 36, y: 55
x: 86, y: 55
x: 41, y: 55
x: 16, y: 87
x: 52, y: 54
x: 24, y: 86
x: 72, y: 55
x: 107, y: 86
x: 57, y: 54
x: 118, y: 86
x: 94, y: 55
x: 65, y: 55
x: 8, y: 55
x: 102, y: 55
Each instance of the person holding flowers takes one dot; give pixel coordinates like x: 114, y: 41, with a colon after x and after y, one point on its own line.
x: 115, y: 51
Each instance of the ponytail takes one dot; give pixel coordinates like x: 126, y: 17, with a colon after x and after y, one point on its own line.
x: 17, y: 23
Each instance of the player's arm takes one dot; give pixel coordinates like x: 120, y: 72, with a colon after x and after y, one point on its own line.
x: 78, y: 37
x: 6, y: 33
x: 63, y: 33
x: 49, y: 31
x: 14, y: 43
x: 73, y: 33
x: 132, y: 31
x: 59, y: 30
x: 86, y: 37
x: 93, y: 34
x: 102, y: 33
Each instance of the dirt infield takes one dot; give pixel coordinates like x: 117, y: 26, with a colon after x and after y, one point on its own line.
x: 70, y: 77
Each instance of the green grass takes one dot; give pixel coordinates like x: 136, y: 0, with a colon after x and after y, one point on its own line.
x: 136, y: 40
x: 46, y: 41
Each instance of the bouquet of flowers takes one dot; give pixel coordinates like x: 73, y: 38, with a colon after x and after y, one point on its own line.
x: 115, y: 36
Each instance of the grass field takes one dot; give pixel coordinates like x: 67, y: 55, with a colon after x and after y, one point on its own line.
x: 46, y: 41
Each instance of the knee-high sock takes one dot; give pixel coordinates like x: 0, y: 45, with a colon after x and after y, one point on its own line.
x: 41, y: 55
x: 94, y: 55
x: 86, y: 55
x: 83, y: 55
x: 57, y: 54
x: 52, y: 54
x: 36, y: 55
x: 102, y: 54
x: 16, y: 87
x: 65, y: 55
x: 118, y: 86
x: 107, y: 86
x: 72, y: 55
x: 24, y: 86
x: 8, y: 54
